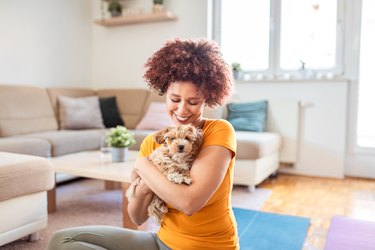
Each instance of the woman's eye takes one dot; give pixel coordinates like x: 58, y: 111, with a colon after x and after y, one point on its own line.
x: 193, y: 103
x: 175, y: 100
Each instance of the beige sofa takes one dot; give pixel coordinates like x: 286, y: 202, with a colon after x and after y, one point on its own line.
x: 24, y: 181
x: 29, y: 125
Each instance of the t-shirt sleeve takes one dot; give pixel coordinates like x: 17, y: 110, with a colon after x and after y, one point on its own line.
x: 147, y: 146
x: 220, y: 133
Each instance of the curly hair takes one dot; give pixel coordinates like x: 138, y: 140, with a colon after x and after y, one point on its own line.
x: 199, y: 61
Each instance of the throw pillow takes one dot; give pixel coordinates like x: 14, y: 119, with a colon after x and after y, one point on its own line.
x: 248, y: 116
x: 79, y: 113
x: 155, y: 118
x: 110, y: 113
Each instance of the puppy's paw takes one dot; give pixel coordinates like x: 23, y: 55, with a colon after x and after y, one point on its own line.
x: 187, y: 180
x: 130, y: 193
x: 175, y: 177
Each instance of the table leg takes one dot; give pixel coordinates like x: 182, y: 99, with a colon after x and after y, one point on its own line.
x: 126, y: 221
x: 51, y: 200
x: 111, y: 185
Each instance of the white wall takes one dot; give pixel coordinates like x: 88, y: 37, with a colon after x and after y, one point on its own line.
x: 45, y: 42
x: 323, y: 121
x: 119, y: 53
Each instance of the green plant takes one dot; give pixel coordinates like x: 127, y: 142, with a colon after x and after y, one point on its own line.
x: 120, y: 137
x: 114, y: 5
x: 160, y: 2
x: 236, y: 67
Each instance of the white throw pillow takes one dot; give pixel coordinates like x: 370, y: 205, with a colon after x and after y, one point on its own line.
x: 79, y: 113
x: 155, y: 118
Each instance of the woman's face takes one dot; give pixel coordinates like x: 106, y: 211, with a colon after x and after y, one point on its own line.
x: 184, y: 103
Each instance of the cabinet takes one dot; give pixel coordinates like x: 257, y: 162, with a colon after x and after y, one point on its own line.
x: 137, y: 18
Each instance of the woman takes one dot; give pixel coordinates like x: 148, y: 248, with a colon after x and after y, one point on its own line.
x: 193, y: 76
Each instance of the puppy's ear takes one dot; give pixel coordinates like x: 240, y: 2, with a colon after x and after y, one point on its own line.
x: 199, y: 137
x: 198, y: 141
x: 159, y: 136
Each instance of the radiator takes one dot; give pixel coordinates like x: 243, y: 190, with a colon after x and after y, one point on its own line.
x: 284, y: 118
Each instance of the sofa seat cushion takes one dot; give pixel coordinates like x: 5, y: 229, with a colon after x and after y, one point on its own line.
x: 253, y: 145
x: 24, y: 174
x: 71, y: 141
x: 25, y: 145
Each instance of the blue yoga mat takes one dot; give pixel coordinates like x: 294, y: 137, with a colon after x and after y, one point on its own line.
x: 267, y: 231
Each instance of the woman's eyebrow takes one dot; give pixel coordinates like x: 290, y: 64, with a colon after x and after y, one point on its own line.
x: 190, y: 98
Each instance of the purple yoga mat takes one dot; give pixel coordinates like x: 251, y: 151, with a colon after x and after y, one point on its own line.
x: 350, y: 234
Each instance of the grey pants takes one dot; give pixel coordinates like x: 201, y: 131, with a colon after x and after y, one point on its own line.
x: 104, y: 237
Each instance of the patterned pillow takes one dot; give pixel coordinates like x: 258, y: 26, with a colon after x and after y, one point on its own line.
x: 155, y: 118
x: 79, y: 113
x: 248, y: 116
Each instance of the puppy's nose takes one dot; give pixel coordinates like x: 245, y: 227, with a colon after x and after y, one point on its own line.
x: 180, y: 147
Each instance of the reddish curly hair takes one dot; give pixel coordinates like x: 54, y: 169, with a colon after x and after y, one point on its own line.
x: 199, y: 61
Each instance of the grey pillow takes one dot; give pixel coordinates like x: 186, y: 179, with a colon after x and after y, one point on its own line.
x: 79, y: 113
x: 248, y: 116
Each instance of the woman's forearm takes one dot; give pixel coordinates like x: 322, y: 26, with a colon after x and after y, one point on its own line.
x: 137, y: 207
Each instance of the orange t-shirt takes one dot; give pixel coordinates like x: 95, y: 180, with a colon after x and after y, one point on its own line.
x: 214, y: 226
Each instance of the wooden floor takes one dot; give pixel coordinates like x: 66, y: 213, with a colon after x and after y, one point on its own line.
x: 319, y: 199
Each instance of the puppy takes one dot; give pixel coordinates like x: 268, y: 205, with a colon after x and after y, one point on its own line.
x: 179, y: 148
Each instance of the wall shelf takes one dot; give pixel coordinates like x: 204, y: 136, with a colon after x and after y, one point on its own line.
x: 137, y: 18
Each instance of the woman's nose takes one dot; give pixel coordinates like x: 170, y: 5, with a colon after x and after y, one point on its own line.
x: 181, y: 107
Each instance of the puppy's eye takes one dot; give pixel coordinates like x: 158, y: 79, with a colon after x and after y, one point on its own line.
x: 187, y: 138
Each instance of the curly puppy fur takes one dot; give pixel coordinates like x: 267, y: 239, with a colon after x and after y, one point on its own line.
x: 179, y: 147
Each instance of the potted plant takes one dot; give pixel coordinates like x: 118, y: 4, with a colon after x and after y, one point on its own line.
x: 115, y: 8
x: 119, y: 139
x: 236, y: 68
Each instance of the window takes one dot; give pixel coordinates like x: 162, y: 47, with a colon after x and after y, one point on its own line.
x: 366, y: 104
x: 281, y: 38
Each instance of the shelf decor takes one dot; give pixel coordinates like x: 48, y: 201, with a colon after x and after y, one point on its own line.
x: 137, y: 18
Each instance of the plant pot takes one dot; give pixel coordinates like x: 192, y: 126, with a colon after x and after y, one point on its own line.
x: 119, y: 154
x: 157, y: 8
x: 116, y: 13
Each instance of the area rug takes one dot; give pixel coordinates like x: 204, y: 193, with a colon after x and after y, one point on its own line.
x: 349, y: 233
x: 264, y: 231
x: 242, y: 198
x: 86, y: 202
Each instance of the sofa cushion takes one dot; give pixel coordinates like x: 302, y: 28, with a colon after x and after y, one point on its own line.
x: 70, y: 141
x: 54, y: 92
x: 155, y: 118
x: 248, y: 116
x: 110, y: 113
x: 24, y: 174
x: 253, y: 145
x: 80, y: 112
x: 25, y: 109
x: 25, y: 145
x: 132, y: 103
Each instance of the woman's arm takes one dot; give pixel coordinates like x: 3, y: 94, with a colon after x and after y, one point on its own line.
x: 137, y: 206
x: 207, y: 173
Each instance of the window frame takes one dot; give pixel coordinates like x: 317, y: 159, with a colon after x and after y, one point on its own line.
x: 274, y: 70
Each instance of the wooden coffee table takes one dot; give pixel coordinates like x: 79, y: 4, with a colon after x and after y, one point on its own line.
x: 89, y: 164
